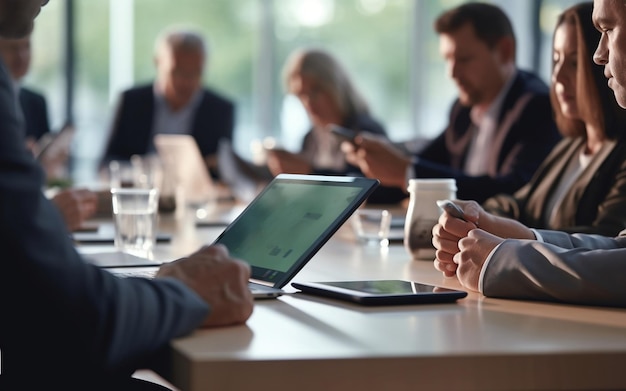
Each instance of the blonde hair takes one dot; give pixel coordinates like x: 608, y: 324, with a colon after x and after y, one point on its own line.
x: 328, y: 72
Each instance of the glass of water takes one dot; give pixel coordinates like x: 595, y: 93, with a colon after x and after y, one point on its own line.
x: 372, y: 226
x: 135, y: 212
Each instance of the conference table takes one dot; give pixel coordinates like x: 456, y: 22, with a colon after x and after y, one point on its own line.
x: 306, y: 342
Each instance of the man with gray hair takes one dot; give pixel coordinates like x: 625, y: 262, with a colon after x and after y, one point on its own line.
x: 176, y: 103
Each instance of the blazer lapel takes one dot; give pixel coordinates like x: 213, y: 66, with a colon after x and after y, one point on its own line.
x: 549, y: 175
x: 565, y: 215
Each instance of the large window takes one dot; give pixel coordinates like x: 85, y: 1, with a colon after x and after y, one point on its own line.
x: 388, y: 47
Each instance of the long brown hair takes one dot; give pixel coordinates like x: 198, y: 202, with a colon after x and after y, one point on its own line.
x: 595, y: 100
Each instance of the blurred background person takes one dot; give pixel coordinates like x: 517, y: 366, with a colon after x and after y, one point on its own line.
x: 175, y: 103
x: 76, y: 205
x: 31, y: 105
x: 581, y: 187
x: 329, y: 97
x: 545, y: 264
x: 501, y: 126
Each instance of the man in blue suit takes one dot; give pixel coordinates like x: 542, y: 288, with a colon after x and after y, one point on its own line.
x: 16, y: 54
x: 68, y: 323
x: 503, y: 258
x: 500, y: 127
x: 175, y: 103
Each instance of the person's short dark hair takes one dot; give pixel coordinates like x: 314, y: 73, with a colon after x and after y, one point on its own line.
x: 490, y: 23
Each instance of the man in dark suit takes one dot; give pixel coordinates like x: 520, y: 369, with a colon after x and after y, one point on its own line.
x: 65, y: 322
x: 501, y: 126
x: 16, y: 54
x: 542, y: 264
x: 175, y: 103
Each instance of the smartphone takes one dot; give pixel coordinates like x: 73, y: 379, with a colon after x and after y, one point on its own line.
x: 452, y: 209
x: 343, y: 133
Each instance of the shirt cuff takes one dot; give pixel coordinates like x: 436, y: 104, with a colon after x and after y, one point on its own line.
x: 481, y: 277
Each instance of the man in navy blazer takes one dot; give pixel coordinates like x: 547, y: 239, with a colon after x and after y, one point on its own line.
x: 70, y: 324
x: 175, y: 103
x: 500, y: 127
x: 501, y: 257
x: 17, y: 54
x: 35, y: 112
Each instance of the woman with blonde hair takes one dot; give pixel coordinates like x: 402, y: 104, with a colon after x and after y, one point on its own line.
x: 329, y: 97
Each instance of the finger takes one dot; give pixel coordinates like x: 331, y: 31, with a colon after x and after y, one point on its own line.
x: 471, y: 209
x: 440, y: 266
x: 445, y: 268
x: 455, y: 226
x: 448, y: 246
x: 347, y: 147
x: 444, y: 256
x: 457, y: 258
x: 440, y: 232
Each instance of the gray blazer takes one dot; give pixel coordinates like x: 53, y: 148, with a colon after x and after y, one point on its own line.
x: 571, y: 268
x: 62, y: 319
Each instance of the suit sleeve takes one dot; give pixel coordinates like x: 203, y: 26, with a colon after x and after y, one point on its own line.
x: 113, y: 148
x: 535, y: 136
x: 578, y: 269
x: 61, y: 315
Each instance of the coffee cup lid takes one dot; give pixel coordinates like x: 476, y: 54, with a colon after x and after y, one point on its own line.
x: 432, y: 184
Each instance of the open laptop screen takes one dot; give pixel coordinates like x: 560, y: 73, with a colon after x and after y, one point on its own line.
x: 290, y: 220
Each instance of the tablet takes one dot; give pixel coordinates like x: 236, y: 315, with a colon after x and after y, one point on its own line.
x: 381, y: 292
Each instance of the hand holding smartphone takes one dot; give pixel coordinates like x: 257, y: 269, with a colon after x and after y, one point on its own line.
x: 452, y: 209
x: 344, y: 134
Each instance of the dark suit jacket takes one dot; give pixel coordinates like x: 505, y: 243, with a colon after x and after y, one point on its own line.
x: 65, y: 321
x: 526, y: 134
x: 35, y: 113
x: 596, y: 202
x: 132, y: 127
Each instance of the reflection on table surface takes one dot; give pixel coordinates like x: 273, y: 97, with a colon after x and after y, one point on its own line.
x: 311, y: 343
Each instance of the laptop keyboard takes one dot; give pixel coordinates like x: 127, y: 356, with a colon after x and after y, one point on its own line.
x: 258, y: 291
x: 144, y: 273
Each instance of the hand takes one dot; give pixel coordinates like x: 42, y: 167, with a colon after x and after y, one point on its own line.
x: 281, y: 161
x: 474, y: 250
x: 377, y: 159
x: 447, y: 233
x: 219, y: 280
x: 76, y: 206
x: 499, y: 226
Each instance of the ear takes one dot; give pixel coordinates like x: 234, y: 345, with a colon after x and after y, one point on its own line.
x: 506, y: 49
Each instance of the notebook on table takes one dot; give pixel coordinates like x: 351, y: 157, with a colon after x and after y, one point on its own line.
x: 288, y: 222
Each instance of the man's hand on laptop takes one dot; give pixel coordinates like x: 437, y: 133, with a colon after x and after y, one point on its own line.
x: 220, y: 280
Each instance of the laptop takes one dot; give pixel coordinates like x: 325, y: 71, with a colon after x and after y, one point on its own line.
x: 183, y: 163
x: 288, y: 222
